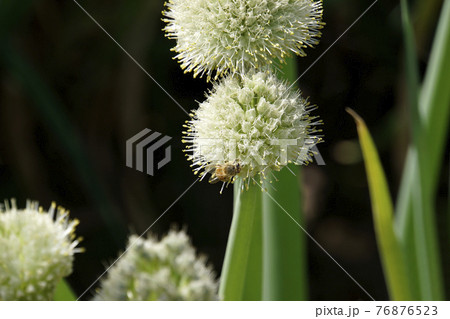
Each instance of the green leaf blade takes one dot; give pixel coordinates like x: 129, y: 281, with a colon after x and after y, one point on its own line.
x: 392, y: 258
x: 416, y: 223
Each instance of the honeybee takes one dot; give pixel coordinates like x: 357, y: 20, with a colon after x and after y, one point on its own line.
x: 225, y: 172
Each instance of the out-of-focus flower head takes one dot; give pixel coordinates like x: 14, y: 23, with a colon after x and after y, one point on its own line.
x: 159, y: 270
x: 37, y: 249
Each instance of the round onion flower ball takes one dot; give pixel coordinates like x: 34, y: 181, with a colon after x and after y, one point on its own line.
x: 239, y: 35
x: 249, y: 125
x: 159, y: 270
x: 37, y: 250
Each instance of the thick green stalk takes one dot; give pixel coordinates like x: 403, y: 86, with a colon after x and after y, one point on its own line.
x: 284, y: 257
x: 284, y: 242
x: 434, y: 110
x: 392, y: 258
x: 239, y: 280
x: 63, y: 292
x: 254, y: 274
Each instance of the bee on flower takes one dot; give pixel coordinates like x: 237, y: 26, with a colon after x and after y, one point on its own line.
x: 250, y: 125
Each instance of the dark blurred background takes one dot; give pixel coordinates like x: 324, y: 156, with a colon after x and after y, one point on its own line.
x: 70, y: 98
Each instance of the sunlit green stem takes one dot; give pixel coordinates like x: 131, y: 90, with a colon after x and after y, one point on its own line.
x: 284, y: 242
x: 63, y: 292
x: 241, y: 270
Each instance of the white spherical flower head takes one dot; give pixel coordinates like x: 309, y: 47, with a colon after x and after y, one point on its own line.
x: 159, y: 270
x: 237, y: 35
x: 37, y: 249
x: 248, y: 125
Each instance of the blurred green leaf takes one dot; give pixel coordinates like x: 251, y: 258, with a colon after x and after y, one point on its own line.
x: 416, y: 219
x: 63, y: 292
x: 394, y: 266
x: 424, y: 17
x: 406, y: 232
x: 418, y: 250
x: 434, y: 99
